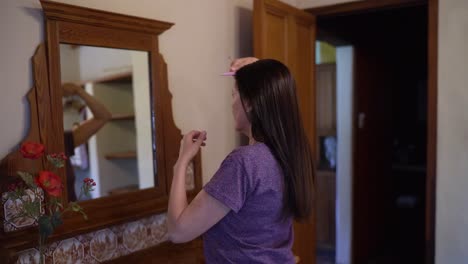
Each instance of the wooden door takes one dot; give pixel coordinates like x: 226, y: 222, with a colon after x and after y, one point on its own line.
x: 287, y: 34
x: 372, y: 154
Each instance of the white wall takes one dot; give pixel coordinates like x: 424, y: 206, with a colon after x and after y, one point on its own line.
x: 97, y: 62
x: 93, y: 151
x: 69, y: 63
x: 452, y: 134
x: 144, y: 142
x: 21, y: 25
x: 344, y: 103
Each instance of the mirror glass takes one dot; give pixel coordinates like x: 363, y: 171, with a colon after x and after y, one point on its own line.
x: 107, y: 120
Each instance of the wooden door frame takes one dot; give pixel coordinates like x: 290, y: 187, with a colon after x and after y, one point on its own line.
x: 433, y: 10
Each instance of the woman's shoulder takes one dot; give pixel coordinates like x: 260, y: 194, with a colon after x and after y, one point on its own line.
x: 249, y: 153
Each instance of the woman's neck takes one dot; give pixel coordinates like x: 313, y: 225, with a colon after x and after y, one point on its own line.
x: 251, y: 138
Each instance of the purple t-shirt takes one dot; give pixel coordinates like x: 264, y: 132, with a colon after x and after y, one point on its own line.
x: 250, y: 183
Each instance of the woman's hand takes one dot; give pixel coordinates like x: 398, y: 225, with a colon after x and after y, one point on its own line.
x: 241, y: 62
x: 70, y: 89
x: 190, y: 145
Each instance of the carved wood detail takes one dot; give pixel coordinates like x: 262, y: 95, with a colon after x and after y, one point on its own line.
x: 14, y: 161
x: 99, y: 18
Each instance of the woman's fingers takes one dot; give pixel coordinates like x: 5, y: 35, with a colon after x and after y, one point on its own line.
x: 195, y: 137
x: 190, y: 144
x: 201, y: 135
x: 70, y: 89
x: 203, y: 143
x: 195, y: 134
x: 192, y: 134
x: 201, y: 138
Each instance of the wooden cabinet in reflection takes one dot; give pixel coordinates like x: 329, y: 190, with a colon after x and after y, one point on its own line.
x: 326, y: 99
x: 114, y: 147
x: 326, y: 175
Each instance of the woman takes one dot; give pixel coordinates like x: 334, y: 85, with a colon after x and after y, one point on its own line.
x: 81, y: 133
x: 245, y: 211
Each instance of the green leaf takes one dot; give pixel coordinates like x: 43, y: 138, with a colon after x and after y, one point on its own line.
x: 56, y: 219
x: 45, y: 226
x: 84, y: 215
x: 32, y: 208
x: 58, y: 163
x: 75, y: 207
x: 27, y: 178
x: 55, y: 203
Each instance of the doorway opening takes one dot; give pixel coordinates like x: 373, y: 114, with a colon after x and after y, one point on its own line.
x: 379, y: 121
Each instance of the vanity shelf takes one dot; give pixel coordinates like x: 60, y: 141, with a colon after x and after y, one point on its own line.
x: 123, y: 117
x: 121, y: 155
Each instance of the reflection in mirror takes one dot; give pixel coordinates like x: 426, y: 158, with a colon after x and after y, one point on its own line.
x: 107, y: 120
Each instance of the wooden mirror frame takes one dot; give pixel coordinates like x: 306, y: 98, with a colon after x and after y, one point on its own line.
x: 70, y: 24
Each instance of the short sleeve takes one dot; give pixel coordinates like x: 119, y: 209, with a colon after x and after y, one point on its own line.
x: 229, y: 185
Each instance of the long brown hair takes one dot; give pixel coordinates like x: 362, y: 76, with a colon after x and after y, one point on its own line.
x: 270, y: 90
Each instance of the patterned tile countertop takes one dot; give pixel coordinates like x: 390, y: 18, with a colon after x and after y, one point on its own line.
x: 103, y: 245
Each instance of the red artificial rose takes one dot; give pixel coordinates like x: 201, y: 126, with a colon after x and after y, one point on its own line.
x: 50, y: 183
x: 32, y: 150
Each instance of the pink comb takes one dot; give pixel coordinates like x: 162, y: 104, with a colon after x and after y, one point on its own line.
x: 229, y: 74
